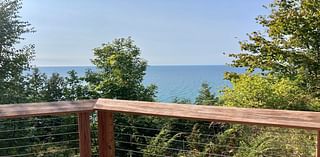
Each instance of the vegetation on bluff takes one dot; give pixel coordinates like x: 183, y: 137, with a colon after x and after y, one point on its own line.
x: 287, y: 54
x: 288, y: 45
x: 13, y: 61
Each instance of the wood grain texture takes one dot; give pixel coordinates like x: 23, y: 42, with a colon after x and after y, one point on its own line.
x: 84, y: 134
x: 106, y: 134
x: 268, y: 117
x: 45, y: 108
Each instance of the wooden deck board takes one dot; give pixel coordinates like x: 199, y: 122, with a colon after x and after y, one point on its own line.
x: 268, y: 117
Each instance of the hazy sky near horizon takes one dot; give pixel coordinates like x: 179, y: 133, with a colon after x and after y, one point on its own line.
x: 169, y: 32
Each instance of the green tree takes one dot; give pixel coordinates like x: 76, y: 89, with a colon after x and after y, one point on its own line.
x: 287, y: 54
x: 288, y: 46
x: 181, y: 100
x: 75, y: 87
x: 13, y: 61
x: 205, y: 96
x: 54, y: 88
x: 267, y: 92
x: 16, y: 87
x: 120, y: 72
x: 35, y: 85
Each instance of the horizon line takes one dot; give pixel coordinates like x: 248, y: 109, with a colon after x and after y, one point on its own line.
x: 147, y: 65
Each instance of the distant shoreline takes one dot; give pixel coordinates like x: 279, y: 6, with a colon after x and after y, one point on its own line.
x: 182, y: 65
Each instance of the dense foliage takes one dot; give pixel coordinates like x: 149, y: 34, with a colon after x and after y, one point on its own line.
x: 13, y: 61
x: 285, y: 57
x: 120, y: 72
x: 255, y: 91
x: 289, y: 45
x: 206, y: 97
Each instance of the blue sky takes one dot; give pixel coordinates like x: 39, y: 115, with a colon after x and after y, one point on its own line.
x: 169, y: 32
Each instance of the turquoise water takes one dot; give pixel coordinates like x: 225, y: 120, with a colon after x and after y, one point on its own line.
x: 172, y: 81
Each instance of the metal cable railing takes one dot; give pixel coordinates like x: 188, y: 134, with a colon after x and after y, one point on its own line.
x: 170, y: 137
x: 39, y: 136
x: 54, y: 136
x: 58, y: 136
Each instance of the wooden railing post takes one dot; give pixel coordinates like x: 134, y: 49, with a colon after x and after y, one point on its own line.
x: 106, y: 134
x: 84, y: 134
x: 318, y: 143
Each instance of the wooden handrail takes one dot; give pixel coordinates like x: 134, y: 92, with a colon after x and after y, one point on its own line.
x: 279, y: 118
x: 268, y: 117
x: 45, y: 108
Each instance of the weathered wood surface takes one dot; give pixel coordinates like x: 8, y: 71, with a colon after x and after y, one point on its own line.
x: 84, y: 134
x: 45, y: 108
x: 279, y: 118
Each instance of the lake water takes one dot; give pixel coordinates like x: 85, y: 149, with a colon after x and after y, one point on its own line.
x: 172, y: 81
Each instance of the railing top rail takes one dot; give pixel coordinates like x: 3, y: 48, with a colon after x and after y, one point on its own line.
x: 279, y: 118
x: 268, y: 117
x: 45, y: 108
